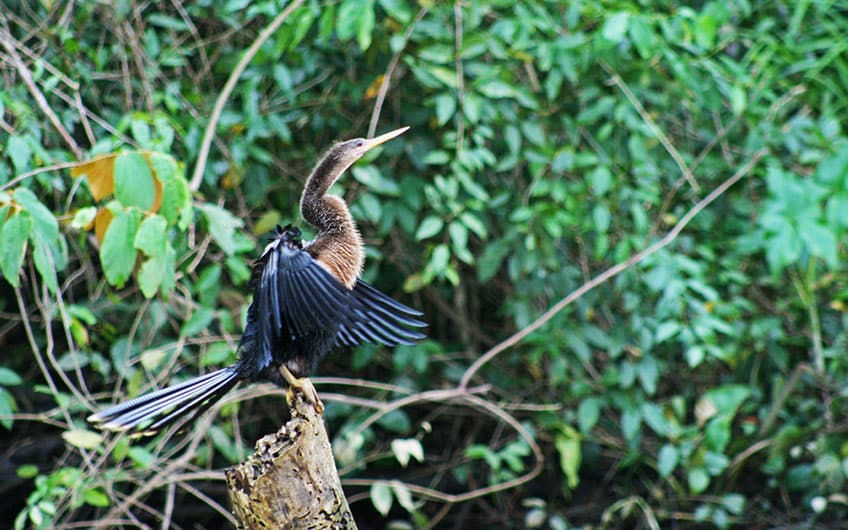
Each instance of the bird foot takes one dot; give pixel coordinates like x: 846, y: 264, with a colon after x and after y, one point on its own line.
x: 304, y: 386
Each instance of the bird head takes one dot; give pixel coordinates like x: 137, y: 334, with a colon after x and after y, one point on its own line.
x: 346, y: 153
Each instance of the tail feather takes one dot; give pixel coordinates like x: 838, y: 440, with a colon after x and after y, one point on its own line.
x: 151, y: 412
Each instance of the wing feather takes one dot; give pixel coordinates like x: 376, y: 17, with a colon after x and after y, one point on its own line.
x: 296, y: 297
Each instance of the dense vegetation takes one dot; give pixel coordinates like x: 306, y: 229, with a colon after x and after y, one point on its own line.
x: 626, y: 224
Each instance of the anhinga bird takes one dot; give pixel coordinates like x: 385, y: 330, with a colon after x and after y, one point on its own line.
x: 307, y: 299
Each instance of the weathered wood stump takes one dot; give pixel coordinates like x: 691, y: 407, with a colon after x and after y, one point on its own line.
x: 291, y: 480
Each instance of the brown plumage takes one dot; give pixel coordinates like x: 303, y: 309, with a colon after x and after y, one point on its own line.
x: 307, y: 299
x: 338, y: 246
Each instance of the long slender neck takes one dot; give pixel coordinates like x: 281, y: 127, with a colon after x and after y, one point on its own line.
x: 314, y: 207
x: 338, y: 245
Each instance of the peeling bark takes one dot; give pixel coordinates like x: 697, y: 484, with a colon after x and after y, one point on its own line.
x: 291, y: 480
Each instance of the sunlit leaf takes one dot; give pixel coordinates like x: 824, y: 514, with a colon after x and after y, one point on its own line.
x: 117, y: 252
x: 82, y: 438
x: 134, y: 184
x: 381, y: 497
x: 99, y: 173
x: 13, y: 238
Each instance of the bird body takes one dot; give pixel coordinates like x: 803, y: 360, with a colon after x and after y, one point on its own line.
x: 307, y: 299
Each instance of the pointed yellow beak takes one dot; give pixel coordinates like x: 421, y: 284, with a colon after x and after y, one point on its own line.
x: 383, y: 138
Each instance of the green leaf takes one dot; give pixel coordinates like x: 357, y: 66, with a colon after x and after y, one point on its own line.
x: 821, y: 242
x: 7, y: 408
x: 27, y: 471
x: 381, y: 497
x: 667, y: 460
x: 134, y: 181
x: 734, y: 503
x: 84, y: 217
x: 397, y: 9
x: 496, y: 89
x: 150, y: 237
x: 95, y: 497
x: 48, y: 258
x: 698, y: 480
x: 141, y: 132
x: 717, y: 433
x: 142, y: 457
x: 356, y: 18
x: 473, y: 223
x: 615, y: 27
x: 8, y: 377
x: 490, y: 261
x: 176, y: 202
x: 199, y: 320
x: 445, y: 108
x: 376, y: 182
x: 216, y: 354
x: 738, y: 99
x: 403, y: 449
x: 403, y: 496
x: 13, y: 238
x: 44, y: 221
x: 164, y: 167
x: 642, y: 35
x: 653, y: 416
x: 459, y: 235
x: 222, y: 226
x: 19, y: 151
x: 567, y: 443
x: 82, y: 438
x: 152, y: 359
x: 429, y: 227
x: 117, y: 252
x: 151, y: 274
x: 588, y: 413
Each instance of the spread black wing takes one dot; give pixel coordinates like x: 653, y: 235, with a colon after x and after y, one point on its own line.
x: 296, y: 299
x: 380, y: 319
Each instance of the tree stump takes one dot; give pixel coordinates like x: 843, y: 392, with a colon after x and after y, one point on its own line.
x: 291, y: 480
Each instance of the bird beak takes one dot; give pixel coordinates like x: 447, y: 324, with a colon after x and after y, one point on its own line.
x: 383, y: 138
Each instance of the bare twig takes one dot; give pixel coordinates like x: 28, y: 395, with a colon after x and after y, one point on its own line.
x: 617, y: 81
x: 200, y: 165
x: 387, y: 77
x: 7, y: 41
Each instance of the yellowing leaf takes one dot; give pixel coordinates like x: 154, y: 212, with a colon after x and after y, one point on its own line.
x: 101, y: 222
x: 83, y: 438
x: 374, y: 88
x: 267, y: 222
x: 99, y: 174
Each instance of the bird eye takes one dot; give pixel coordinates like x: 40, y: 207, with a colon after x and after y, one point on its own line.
x: 359, y: 143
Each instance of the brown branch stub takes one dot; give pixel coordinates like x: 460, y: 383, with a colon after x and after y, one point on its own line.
x: 291, y: 480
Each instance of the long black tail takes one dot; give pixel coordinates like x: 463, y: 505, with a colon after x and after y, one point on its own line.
x: 148, y: 414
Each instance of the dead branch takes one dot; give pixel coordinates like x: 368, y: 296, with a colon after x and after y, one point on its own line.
x: 291, y: 480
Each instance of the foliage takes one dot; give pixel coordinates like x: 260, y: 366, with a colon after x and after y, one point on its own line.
x: 549, y: 141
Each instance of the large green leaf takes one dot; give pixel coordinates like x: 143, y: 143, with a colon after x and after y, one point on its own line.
x: 118, y: 252
x: 13, y: 238
x: 134, y: 181
x: 222, y: 226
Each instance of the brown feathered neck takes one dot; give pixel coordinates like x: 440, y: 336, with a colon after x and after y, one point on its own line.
x: 338, y: 246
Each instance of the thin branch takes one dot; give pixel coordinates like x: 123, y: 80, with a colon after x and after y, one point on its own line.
x: 617, y: 81
x: 7, y: 41
x: 200, y: 166
x: 387, y: 77
x: 612, y: 271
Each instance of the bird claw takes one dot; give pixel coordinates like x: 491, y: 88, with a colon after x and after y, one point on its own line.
x: 304, y: 386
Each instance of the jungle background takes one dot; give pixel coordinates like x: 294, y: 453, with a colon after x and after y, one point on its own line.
x: 625, y: 222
